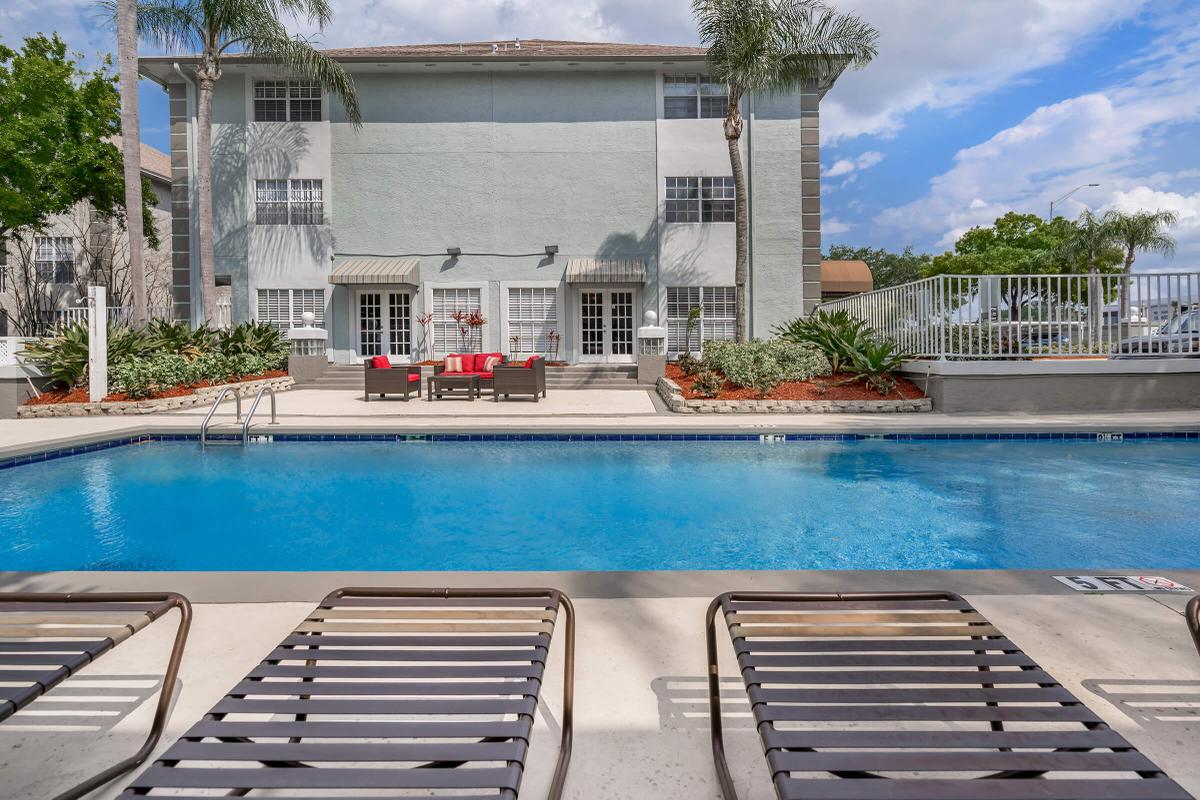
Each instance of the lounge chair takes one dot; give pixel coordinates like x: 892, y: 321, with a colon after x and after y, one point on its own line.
x: 471, y: 364
x: 912, y: 696
x: 422, y: 689
x: 1192, y: 613
x: 46, y: 638
x: 528, y: 378
x: 380, y: 378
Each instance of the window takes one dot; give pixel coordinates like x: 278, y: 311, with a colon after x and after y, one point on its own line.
x: 717, y: 317
x: 448, y: 336
x: 532, y: 317
x: 694, y: 96
x: 700, y: 200
x: 295, y: 202
x: 54, y: 259
x: 283, y: 101
x: 283, y: 307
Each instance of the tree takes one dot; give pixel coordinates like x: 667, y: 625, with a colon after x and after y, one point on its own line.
x: 887, y: 268
x: 1144, y: 231
x: 131, y: 148
x: 763, y: 46
x: 215, y: 29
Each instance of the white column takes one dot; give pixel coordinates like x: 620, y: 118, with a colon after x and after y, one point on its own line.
x: 97, y: 344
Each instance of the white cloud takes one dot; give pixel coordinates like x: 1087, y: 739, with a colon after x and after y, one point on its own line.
x: 834, y: 226
x: 844, y: 166
x: 1186, y: 232
x: 941, y: 55
x: 79, y: 23
x: 1104, y: 137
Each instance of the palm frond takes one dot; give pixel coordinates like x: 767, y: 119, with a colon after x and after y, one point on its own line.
x: 302, y: 58
x: 174, y: 25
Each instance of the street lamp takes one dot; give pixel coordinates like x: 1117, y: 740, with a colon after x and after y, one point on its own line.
x: 1053, y: 203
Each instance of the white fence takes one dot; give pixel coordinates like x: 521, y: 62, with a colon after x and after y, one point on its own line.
x: 9, y: 347
x: 1036, y: 316
x: 122, y: 315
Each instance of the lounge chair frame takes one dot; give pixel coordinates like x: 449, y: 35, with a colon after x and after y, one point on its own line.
x: 108, y: 618
x: 459, y: 650
x: 1192, y: 614
x: 792, y: 647
x: 393, y: 380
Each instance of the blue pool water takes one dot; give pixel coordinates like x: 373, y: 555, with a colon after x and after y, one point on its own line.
x: 606, y: 506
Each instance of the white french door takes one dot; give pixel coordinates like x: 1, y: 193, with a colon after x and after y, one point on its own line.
x: 606, y: 325
x: 383, y: 324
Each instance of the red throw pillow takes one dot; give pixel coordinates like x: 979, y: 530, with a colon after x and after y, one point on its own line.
x: 529, y: 362
x: 381, y: 362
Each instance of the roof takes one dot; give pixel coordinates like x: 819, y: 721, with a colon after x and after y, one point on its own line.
x: 846, y: 277
x: 499, y: 50
x: 155, y: 162
x: 358, y: 271
x: 606, y: 270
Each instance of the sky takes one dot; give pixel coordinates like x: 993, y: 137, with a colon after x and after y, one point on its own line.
x: 972, y: 108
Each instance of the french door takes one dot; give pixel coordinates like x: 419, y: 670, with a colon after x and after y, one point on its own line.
x: 384, y: 324
x: 606, y: 325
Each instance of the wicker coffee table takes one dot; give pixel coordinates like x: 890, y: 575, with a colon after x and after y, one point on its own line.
x: 452, y: 385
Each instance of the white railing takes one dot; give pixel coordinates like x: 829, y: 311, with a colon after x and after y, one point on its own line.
x: 223, y: 314
x: 1036, y: 316
x: 122, y: 315
x: 9, y: 347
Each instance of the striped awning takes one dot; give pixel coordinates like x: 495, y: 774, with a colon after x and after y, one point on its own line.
x: 357, y: 271
x: 606, y: 270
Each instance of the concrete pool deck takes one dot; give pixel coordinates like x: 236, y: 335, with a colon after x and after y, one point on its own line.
x: 641, y: 720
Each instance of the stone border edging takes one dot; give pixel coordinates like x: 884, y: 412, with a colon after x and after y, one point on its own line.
x: 135, y: 407
x: 672, y: 395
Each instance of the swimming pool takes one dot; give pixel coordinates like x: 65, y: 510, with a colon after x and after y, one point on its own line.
x: 606, y: 506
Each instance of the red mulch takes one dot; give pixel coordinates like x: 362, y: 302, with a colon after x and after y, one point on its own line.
x: 80, y: 395
x: 803, y: 390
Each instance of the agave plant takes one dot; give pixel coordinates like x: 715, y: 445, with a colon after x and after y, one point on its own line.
x: 253, y: 339
x: 64, y: 355
x: 179, y: 338
x: 875, y: 363
x: 835, y: 333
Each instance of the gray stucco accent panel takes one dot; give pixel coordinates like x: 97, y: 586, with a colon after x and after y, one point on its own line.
x: 181, y: 287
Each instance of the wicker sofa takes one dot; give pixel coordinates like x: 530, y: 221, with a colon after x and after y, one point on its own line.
x: 384, y: 380
x: 472, y: 364
x: 528, y: 378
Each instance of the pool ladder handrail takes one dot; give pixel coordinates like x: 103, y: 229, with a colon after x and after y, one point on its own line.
x: 208, y: 417
x: 253, y: 408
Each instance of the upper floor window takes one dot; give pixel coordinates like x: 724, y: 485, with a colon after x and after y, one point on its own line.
x: 299, y: 201
x: 694, y: 96
x: 700, y: 200
x: 287, y: 101
x: 54, y: 258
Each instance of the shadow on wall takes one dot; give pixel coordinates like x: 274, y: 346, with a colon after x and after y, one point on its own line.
x: 683, y: 269
x: 242, y: 154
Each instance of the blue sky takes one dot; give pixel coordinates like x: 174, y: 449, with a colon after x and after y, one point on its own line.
x: 973, y: 108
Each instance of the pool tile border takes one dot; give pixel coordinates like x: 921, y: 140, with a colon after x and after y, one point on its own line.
x: 1092, y: 436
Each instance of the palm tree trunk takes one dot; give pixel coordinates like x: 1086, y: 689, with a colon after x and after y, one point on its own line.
x: 131, y: 149
x: 205, y: 80
x: 1126, y: 283
x: 741, y: 215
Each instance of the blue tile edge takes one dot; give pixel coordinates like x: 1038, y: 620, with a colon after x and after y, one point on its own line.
x: 51, y: 455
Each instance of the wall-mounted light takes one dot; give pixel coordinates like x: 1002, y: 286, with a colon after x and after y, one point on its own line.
x: 551, y: 249
x: 454, y: 252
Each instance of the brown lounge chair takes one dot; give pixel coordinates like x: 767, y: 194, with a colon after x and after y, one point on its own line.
x: 420, y: 689
x: 1192, y: 613
x: 912, y: 696
x: 404, y: 380
x: 528, y: 378
x: 46, y: 638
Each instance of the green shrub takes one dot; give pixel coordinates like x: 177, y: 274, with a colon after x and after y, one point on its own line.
x: 763, y: 365
x: 255, y: 339
x: 64, y: 355
x: 179, y: 338
x: 708, y: 383
x: 688, y: 364
x: 874, y: 363
x: 837, y: 334
x: 144, y: 377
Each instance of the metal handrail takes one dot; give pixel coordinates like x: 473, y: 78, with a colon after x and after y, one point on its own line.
x: 254, y: 407
x: 207, y: 417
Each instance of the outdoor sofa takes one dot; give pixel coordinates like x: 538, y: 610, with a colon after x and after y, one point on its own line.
x: 381, y: 378
x: 471, y: 364
x: 47, y: 638
x: 422, y: 690
x: 1192, y: 612
x: 911, y: 696
x: 528, y: 378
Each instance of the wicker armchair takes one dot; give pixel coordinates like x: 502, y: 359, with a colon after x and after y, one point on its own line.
x: 405, y: 380
x: 520, y: 379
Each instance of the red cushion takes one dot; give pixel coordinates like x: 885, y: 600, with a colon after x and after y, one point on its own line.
x: 529, y: 361
x: 487, y: 376
x: 414, y: 378
x: 468, y: 362
x: 381, y: 362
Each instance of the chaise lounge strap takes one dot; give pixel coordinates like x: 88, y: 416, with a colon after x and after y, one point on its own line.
x: 46, y: 638
x: 406, y: 690
x: 912, y: 696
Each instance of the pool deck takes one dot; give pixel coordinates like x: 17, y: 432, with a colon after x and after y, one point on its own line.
x: 641, y: 721
x: 594, y: 411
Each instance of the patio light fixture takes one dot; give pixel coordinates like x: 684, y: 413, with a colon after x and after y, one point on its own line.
x: 551, y: 249
x: 454, y: 252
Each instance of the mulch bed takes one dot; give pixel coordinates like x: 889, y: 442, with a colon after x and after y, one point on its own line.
x: 80, y: 395
x: 822, y: 388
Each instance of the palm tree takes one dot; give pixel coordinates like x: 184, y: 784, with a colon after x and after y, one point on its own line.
x: 1144, y: 231
x: 760, y: 46
x: 131, y: 150
x: 1093, y: 235
x: 216, y: 28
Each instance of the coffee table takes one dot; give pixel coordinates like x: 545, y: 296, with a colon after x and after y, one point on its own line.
x: 452, y: 385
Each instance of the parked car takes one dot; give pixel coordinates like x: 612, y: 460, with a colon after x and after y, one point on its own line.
x: 1179, y: 337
